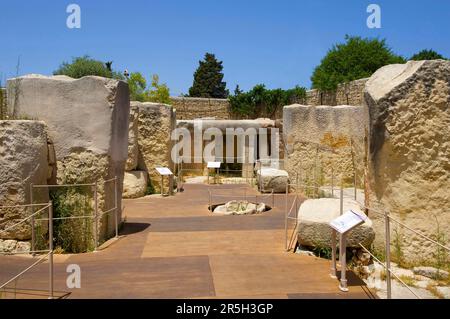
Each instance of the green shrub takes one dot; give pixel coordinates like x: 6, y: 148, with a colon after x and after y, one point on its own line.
x: 260, y: 101
x: 84, y: 66
x: 150, y: 190
x: 73, y: 235
x: 427, y: 55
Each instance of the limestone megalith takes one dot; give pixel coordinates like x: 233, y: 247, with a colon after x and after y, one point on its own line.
x: 409, y: 154
x: 324, y: 143
x: 87, y: 121
x: 23, y: 161
x: 155, y: 125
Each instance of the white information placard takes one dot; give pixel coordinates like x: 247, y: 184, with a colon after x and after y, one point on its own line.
x: 164, y: 171
x: 214, y: 164
x: 348, y: 221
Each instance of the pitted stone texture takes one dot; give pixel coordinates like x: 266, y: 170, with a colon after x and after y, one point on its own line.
x: 13, y: 246
x: 409, y: 166
x: 272, y: 179
x: 23, y: 161
x: 240, y: 208
x: 315, y: 215
x: 87, y: 121
x: 323, y: 143
x: 135, y: 184
x: 133, y: 148
x: 155, y: 125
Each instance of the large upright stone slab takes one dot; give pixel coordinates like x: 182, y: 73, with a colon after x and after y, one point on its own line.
x: 322, y: 142
x: 133, y: 148
x: 23, y: 161
x: 87, y: 121
x: 155, y: 125
x: 409, y: 158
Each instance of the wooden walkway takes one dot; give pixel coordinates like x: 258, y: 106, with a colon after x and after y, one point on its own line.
x: 175, y: 248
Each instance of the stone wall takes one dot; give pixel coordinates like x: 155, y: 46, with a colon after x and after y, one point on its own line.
x: 3, y: 99
x: 351, y: 93
x: 324, y: 143
x: 189, y: 108
x: 409, y: 158
x: 24, y: 160
x: 87, y: 121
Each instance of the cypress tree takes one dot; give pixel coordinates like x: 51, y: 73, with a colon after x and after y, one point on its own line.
x: 208, y: 79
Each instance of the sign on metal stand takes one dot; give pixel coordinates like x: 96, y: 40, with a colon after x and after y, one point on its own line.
x: 215, y: 166
x: 164, y: 171
x: 343, y: 225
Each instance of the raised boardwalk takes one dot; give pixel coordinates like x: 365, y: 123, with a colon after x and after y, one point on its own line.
x: 174, y: 248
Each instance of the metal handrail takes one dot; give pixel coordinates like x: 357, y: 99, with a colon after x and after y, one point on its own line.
x: 26, y: 218
x: 97, y: 214
x: 417, y: 233
x: 40, y: 260
x: 389, y: 270
x: 49, y: 252
x: 388, y: 218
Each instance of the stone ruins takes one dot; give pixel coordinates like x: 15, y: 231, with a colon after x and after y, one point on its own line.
x: 387, y: 136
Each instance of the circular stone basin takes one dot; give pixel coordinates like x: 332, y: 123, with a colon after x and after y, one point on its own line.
x: 239, y: 207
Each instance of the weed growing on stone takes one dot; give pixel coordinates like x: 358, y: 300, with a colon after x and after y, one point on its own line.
x: 75, y: 233
x: 150, y: 190
x: 441, y: 255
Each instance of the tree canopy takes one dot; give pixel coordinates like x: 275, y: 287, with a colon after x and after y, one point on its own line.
x: 357, y: 58
x: 84, y: 66
x: 157, y: 92
x: 260, y: 101
x: 427, y: 55
x: 208, y: 79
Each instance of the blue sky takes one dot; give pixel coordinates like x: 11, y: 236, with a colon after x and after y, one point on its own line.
x: 277, y: 43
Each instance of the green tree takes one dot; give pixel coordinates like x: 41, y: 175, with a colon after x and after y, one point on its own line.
x: 427, y: 55
x: 137, y: 85
x: 84, y: 66
x: 208, y: 79
x: 355, y: 59
x: 158, y: 93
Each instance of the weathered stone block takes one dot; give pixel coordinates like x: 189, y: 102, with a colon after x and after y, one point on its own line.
x: 315, y: 215
x: 324, y: 141
x: 409, y: 158
x: 133, y: 148
x: 23, y: 161
x: 87, y: 121
x: 135, y: 184
x: 272, y: 179
x: 155, y: 125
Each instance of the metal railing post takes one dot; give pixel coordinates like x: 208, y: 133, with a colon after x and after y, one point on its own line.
x: 33, y: 233
x: 332, y: 180
x: 50, y: 240
x: 354, y: 182
x: 333, y: 254
x: 286, y: 220
x: 388, y: 254
x: 96, y: 215
x: 341, y: 212
x: 116, y: 207
x: 273, y: 197
x: 210, y: 202
x: 343, y: 253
